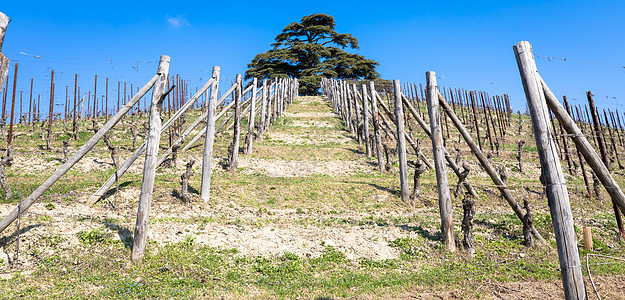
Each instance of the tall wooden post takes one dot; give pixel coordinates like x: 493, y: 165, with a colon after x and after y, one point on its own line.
x: 30, y: 103
x: 251, y: 117
x: 234, y: 158
x: 51, y: 113
x: 444, y: 196
x: 401, y: 142
x: 10, y: 137
x: 209, y: 139
x: 74, y: 124
x: 357, y: 115
x: 263, y: 111
x: 555, y: 184
x: 149, y: 167
x: 376, y: 126
x: 475, y: 122
x: 4, y: 61
x: 95, y: 97
x: 365, y: 118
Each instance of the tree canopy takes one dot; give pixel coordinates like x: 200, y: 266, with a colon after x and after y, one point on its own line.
x: 312, y: 50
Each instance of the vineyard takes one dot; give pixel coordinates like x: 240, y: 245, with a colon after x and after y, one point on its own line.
x: 375, y: 189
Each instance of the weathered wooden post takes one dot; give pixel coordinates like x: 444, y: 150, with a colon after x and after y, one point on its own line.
x: 4, y: 61
x: 209, y: 139
x: 233, y: 159
x: 359, y: 131
x: 365, y: 118
x: 555, y: 184
x: 250, y: 131
x: 10, y: 137
x: 149, y: 167
x: 376, y: 126
x: 444, y: 196
x: 401, y: 143
x: 51, y: 113
x: 263, y: 111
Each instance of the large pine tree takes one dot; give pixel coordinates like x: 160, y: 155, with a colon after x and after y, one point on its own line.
x: 311, y: 50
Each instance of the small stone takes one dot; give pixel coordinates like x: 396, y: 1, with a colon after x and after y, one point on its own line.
x: 329, y: 243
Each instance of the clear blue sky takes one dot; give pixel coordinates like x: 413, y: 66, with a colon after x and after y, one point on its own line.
x: 468, y: 45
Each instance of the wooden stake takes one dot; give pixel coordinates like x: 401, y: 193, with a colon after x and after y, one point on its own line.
x: 555, y: 184
x: 444, y: 196
x: 401, y: 142
x: 365, y: 116
x: 4, y: 61
x: 209, y: 138
x: 250, y: 131
x: 149, y: 167
x: 263, y: 111
x: 10, y: 137
x: 475, y: 123
x: 376, y: 126
x: 50, y: 114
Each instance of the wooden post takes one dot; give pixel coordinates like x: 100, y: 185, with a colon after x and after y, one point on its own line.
x: 149, y: 167
x: 365, y: 116
x: 74, y: 122
x: 357, y: 115
x: 376, y: 126
x: 263, y: 111
x: 555, y: 184
x: 233, y: 160
x: 30, y: 103
x: 444, y: 196
x: 4, y: 61
x: 95, y: 97
x: 250, y: 130
x: 476, y: 124
x: 209, y: 138
x: 401, y: 142
x: 50, y: 114
x: 106, y: 101
x: 10, y: 137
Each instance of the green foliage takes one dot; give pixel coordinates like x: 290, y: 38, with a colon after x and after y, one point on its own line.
x: 92, y: 237
x: 312, y: 50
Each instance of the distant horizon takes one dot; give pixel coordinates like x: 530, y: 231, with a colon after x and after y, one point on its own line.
x: 578, y: 45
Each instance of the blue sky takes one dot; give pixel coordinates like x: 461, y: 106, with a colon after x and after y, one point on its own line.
x: 468, y: 44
